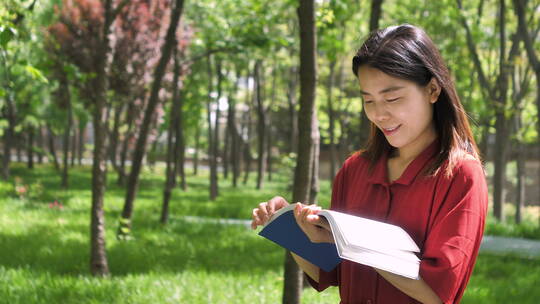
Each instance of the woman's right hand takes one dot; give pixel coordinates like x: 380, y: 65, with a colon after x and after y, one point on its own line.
x: 265, y: 210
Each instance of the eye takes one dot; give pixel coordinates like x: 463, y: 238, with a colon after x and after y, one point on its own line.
x: 367, y: 101
x: 393, y: 99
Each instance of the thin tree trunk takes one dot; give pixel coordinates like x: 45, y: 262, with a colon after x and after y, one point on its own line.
x: 52, y: 149
x: 213, y: 191
x: 331, y: 119
x: 293, y: 113
x: 82, y: 142
x: 215, y: 145
x: 30, y: 150
x: 234, y: 137
x: 113, y: 147
x: 124, y: 228
x: 74, y: 139
x: 197, y: 148
x: 246, y: 149
x: 261, y: 126
x: 180, y: 144
x: 121, y: 178
x: 40, y: 144
x: 170, y: 172
x: 226, y: 153
x: 302, y: 175
x: 19, y: 139
x: 375, y: 16
x: 9, y: 112
x: 316, y: 137
x: 98, y: 258
x: 529, y: 39
x: 269, y: 129
x: 500, y: 159
x: 66, y: 100
x: 521, y: 177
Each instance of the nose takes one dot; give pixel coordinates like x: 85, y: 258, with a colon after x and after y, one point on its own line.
x: 377, y: 112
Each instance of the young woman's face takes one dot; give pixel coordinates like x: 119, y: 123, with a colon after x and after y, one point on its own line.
x: 401, y: 109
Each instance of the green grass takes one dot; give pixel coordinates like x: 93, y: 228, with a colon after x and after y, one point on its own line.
x: 44, y: 252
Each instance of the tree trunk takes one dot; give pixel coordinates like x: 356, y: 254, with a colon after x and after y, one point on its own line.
x: 19, y: 144
x: 216, y: 150
x: 500, y: 158
x: 302, y: 175
x: 30, y: 153
x: 529, y: 39
x: 261, y: 126
x: 73, y: 148
x: 293, y: 113
x: 197, y: 148
x: 234, y: 137
x: 9, y: 112
x: 375, y: 14
x: 521, y: 178
x: 226, y: 153
x: 246, y: 149
x: 98, y: 258
x: 52, y: 148
x: 121, y: 178
x: 124, y: 228
x: 180, y: 144
x: 113, y: 147
x: 213, y: 191
x: 82, y: 142
x: 170, y: 172
x: 331, y: 119
x: 40, y: 144
x: 316, y: 137
x: 66, y: 101
x: 269, y: 129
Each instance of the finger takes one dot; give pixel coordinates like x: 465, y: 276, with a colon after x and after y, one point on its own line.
x: 297, y: 211
x: 270, y: 208
x: 278, y: 202
x: 263, y: 213
x: 256, y: 221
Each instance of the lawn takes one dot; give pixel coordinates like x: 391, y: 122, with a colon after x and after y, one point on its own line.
x: 45, y: 249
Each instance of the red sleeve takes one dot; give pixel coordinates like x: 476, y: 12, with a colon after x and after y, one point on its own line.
x: 452, y: 243
x: 327, y: 279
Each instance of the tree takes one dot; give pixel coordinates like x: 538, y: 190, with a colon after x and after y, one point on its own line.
x: 497, y: 93
x: 307, y: 130
x: 140, y: 149
x: 86, y: 25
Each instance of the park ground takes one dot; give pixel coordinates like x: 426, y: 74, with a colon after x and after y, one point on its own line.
x: 45, y: 246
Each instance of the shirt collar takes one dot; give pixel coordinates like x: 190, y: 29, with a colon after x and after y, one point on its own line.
x: 379, y: 174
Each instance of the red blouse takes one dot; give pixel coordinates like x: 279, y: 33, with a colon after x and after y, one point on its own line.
x: 445, y: 217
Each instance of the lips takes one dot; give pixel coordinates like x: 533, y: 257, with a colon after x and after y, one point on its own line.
x: 391, y: 130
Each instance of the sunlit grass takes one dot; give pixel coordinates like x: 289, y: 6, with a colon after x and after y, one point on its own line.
x: 44, y: 252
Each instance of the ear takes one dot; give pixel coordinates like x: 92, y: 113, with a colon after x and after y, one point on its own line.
x: 434, y: 90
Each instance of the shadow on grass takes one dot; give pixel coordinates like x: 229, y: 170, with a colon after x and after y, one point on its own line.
x: 170, y: 249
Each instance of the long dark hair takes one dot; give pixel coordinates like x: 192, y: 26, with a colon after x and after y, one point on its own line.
x: 407, y: 52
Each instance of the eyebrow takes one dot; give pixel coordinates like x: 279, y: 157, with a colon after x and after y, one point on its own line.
x: 389, y: 89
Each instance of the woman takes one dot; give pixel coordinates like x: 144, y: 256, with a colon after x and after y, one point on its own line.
x: 420, y: 171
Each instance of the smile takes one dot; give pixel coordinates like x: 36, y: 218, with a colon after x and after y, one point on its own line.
x: 390, y: 131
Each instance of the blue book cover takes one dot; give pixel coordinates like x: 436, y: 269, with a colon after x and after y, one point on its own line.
x: 285, y: 232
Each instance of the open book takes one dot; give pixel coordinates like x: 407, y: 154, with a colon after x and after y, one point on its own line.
x: 372, y: 243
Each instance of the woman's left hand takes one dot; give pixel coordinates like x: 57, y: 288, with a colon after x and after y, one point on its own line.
x: 315, y: 227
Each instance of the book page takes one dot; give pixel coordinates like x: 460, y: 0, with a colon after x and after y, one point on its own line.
x: 362, y: 232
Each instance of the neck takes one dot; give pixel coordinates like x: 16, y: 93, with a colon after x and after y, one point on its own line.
x: 410, y: 152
